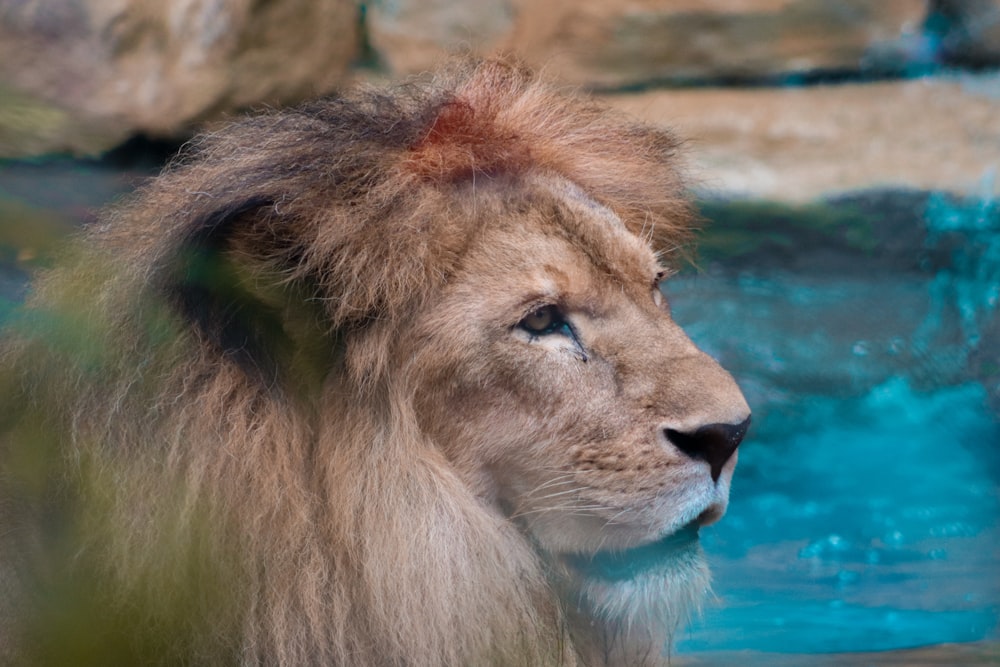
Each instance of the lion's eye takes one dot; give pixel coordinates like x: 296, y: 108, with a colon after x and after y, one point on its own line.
x: 544, y: 320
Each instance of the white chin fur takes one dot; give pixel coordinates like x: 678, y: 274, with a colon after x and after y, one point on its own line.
x: 655, y: 603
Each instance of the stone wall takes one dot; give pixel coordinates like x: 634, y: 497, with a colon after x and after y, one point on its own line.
x: 81, y: 77
x: 617, y: 44
x: 799, y: 143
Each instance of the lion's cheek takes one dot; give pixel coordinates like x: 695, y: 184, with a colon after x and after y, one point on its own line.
x: 563, y: 453
x: 503, y: 406
x: 480, y: 428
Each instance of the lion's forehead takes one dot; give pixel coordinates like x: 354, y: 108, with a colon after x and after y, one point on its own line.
x: 598, y: 233
x: 572, y: 193
x: 541, y: 237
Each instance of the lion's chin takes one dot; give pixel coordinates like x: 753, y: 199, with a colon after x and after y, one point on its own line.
x: 658, y: 585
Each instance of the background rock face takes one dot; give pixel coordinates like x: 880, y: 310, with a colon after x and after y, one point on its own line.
x: 124, y: 66
x: 799, y: 143
x: 411, y: 36
x: 83, y: 76
x: 614, y: 44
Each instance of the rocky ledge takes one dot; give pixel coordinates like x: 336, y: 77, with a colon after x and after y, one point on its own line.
x: 796, y: 144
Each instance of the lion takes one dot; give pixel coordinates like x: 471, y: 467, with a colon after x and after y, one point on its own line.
x: 383, y: 379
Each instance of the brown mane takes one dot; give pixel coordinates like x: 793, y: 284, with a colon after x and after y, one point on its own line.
x: 228, y: 414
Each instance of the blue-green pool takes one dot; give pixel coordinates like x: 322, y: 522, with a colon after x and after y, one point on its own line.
x: 865, y: 511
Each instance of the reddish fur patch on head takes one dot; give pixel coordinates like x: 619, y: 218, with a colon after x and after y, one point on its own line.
x: 496, y: 118
x: 464, y: 141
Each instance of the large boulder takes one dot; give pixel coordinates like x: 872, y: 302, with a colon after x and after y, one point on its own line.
x: 413, y: 36
x: 90, y: 72
x: 797, y: 144
x: 614, y: 44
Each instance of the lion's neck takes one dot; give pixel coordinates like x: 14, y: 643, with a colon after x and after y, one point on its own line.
x: 430, y: 574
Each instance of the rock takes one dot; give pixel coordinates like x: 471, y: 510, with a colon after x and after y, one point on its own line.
x: 797, y: 144
x: 32, y: 126
x: 412, y: 36
x: 615, y: 44
x: 126, y: 66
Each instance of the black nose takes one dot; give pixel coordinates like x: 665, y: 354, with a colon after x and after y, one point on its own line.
x: 713, y: 443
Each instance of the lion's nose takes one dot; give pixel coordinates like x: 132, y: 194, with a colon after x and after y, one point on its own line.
x: 713, y: 443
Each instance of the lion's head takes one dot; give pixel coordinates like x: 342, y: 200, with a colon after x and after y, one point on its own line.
x: 406, y: 356
x: 549, y: 372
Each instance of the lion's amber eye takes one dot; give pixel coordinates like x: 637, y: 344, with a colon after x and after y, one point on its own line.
x: 544, y: 320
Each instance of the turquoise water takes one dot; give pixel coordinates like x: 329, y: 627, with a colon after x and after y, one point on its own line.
x: 865, y: 511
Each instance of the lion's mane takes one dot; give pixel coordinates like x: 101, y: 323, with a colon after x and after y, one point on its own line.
x: 225, y: 426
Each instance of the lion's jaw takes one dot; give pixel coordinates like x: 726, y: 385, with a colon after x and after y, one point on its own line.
x: 568, y: 429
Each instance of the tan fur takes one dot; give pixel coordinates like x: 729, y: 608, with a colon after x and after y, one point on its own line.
x: 286, y: 400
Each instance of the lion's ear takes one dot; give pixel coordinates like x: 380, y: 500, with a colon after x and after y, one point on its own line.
x: 227, y: 282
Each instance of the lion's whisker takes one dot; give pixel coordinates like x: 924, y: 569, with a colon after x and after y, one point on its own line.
x: 567, y: 479
x: 557, y: 494
x: 569, y: 509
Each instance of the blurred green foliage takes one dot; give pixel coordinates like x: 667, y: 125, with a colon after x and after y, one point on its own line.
x: 29, y: 238
x: 63, y: 598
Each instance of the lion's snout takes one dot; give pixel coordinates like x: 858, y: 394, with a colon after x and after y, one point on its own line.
x: 712, y: 443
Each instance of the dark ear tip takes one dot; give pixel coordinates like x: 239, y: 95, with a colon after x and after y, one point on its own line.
x: 227, y: 301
